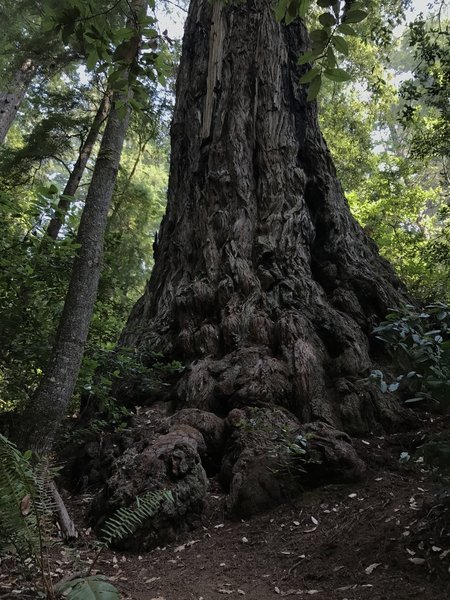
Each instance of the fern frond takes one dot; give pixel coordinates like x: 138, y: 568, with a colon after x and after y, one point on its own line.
x: 127, y: 520
x: 24, y: 501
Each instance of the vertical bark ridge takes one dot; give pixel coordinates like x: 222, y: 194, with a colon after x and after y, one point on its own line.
x: 11, y: 98
x: 264, y: 284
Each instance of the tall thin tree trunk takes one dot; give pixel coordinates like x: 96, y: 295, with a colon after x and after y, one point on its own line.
x: 264, y: 285
x: 39, y: 422
x: 11, y: 98
x: 73, y: 182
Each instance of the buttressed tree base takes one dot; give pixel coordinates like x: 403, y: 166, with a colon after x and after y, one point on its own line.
x: 264, y: 286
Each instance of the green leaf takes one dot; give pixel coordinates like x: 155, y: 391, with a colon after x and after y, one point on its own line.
x: 293, y: 7
x: 318, y: 35
x: 346, y: 29
x: 314, y: 88
x: 327, y: 20
x: 91, y: 60
x: 355, y: 16
x: 338, y: 75
x: 119, y: 84
x: 307, y: 57
x: 325, y: 3
x: 280, y: 10
x: 289, y: 18
x: 340, y: 44
x: 331, y: 59
x: 310, y: 75
x: 319, y: 46
x: 304, y: 8
x: 356, y: 6
x: 94, y: 587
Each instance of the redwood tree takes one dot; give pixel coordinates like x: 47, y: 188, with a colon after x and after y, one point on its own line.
x: 264, y: 285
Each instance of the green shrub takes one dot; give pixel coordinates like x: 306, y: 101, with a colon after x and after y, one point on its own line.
x: 420, y: 339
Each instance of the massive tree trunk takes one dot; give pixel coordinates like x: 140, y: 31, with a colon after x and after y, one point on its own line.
x: 264, y: 285
x: 11, y: 98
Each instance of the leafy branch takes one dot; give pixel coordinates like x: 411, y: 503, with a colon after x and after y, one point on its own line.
x: 330, y: 38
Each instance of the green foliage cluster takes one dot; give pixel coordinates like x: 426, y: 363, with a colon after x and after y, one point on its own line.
x: 334, y: 24
x: 421, y: 339
x: 399, y: 195
x: 25, y: 503
x: 34, y: 270
x: 96, y: 30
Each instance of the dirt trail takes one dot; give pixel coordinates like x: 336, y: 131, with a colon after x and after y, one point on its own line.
x: 334, y: 543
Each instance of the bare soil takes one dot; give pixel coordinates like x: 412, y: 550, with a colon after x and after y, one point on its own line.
x: 377, y: 540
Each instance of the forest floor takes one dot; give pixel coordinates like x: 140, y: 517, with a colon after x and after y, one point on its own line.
x: 374, y: 540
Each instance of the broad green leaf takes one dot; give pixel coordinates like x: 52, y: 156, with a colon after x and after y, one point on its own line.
x: 280, y: 10
x: 310, y: 75
x: 306, y: 57
x: 331, y: 59
x: 91, y: 60
x: 304, y: 8
x: 293, y: 7
x: 346, y: 29
x: 88, y: 588
x: 318, y: 35
x: 314, y: 88
x: 327, y: 20
x: 338, y: 75
x: 340, y: 44
x: 355, y: 16
x: 356, y: 6
x: 289, y: 18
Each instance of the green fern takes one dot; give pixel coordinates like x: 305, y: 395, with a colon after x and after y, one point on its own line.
x: 24, y: 501
x: 25, y: 504
x: 126, y: 520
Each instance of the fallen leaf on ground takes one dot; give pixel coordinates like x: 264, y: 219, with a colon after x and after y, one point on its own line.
x: 417, y: 561
x: 371, y: 568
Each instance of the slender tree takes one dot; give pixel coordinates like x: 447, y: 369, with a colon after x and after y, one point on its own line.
x: 264, y: 285
x: 79, y: 167
x: 41, y: 417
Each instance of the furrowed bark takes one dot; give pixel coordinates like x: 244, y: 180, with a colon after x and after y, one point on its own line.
x: 73, y: 182
x: 11, y: 98
x: 264, y: 285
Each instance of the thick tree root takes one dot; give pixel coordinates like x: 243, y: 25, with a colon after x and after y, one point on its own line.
x: 261, y: 456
